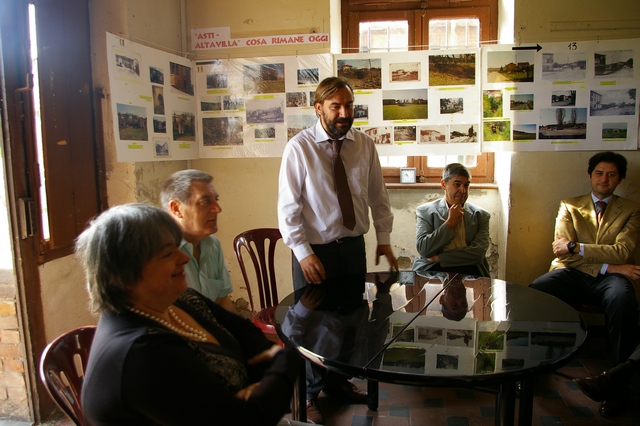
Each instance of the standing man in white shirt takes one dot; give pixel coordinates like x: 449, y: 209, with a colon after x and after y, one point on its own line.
x: 323, y: 222
x: 192, y: 201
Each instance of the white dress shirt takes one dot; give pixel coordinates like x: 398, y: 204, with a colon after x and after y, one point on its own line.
x: 308, y: 209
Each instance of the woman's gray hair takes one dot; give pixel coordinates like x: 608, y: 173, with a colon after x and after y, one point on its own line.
x: 178, y: 186
x: 115, y: 247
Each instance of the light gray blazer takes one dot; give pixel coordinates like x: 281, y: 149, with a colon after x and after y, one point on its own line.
x: 432, y: 235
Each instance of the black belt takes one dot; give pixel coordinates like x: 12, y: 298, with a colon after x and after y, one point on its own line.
x: 343, y: 240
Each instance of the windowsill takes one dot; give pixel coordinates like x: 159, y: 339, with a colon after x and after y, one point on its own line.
x: 434, y: 185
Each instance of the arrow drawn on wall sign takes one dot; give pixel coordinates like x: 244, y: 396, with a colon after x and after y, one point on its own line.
x: 537, y: 48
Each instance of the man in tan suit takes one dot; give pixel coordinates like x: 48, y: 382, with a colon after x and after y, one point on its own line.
x: 595, y: 239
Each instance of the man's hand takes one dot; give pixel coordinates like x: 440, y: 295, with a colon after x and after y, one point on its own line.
x: 385, y: 250
x: 630, y: 271
x: 456, y: 213
x: 246, y: 392
x: 312, y: 269
x: 265, y: 356
x: 560, y: 246
x: 434, y: 259
x: 312, y: 297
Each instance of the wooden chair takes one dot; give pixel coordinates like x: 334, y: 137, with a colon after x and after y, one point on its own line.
x: 260, y: 246
x: 62, y: 368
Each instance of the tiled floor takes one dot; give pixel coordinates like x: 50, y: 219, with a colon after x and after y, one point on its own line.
x: 557, y: 401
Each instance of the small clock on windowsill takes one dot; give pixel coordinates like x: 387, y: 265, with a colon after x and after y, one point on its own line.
x: 408, y: 175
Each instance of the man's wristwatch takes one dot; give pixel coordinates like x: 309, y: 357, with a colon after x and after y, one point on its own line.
x: 570, y: 246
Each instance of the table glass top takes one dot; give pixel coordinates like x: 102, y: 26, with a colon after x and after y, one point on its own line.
x: 440, y: 325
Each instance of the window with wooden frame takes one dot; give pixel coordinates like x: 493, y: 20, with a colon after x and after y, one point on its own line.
x: 395, y: 25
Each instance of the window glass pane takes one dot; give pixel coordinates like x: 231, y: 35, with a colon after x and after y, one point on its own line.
x: 44, y: 211
x: 445, y: 33
x: 393, y: 161
x: 440, y: 161
x: 384, y: 36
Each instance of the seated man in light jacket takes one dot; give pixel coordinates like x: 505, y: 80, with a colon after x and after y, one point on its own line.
x: 451, y: 234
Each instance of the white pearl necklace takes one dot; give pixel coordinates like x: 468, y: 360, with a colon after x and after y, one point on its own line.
x: 186, y: 331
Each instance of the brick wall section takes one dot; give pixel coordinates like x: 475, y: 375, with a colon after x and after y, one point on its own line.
x: 13, y: 391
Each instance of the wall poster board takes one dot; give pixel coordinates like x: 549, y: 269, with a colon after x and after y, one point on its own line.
x: 554, y: 97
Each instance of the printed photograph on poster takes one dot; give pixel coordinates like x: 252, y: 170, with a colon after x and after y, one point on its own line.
x: 361, y: 74
x: 492, y: 103
x: 446, y: 362
x: 496, y: 130
x: 491, y: 340
x: 564, y: 66
x: 296, y: 99
x: 406, y: 71
x: 452, y: 69
x: 407, y: 335
x: 551, y: 345
x: 221, y: 131
x: 410, y: 104
x: 463, y: 133
x: 127, y: 64
x: 297, y: 123
x: 517, y: 338
x: 184, y: 126
x: 404, y: 359
x: 521, y: 102
x: 308, y: 77
x: 157, y: 92
x: 524, y: 132
x: 431, y: 335
x: 161, y: 147
x: 508, y: 364
x: 612, y: 102
x: 264, y: 78
x: 485, y: 362
x: 561, y: 98
x: 265, y: 110
x: 433, y: 134
x: 460, y: 337
x: 232, y: 103
x: 312, y: 96
x: 156, y: 75
x: 451, y: 106
x: 132, y: 123
x: 617, y: 64
x: 159, y: 124
x: 216, y: 81
x: 510, y: 66
x: 181, y: 78
x: 264, y: 133
x: 614, y: 131
x: 563, y: 123
x: 404, y: 134
x: 380, y: 135
x: 211, y: 103
x: 361, y: 112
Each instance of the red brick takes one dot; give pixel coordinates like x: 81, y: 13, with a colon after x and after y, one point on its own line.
x: 9, y: 336
x: 10, y: 351
x: 8, y: 322
x: 11, y: 381
x: 12, y: 365
x: 7, y: 307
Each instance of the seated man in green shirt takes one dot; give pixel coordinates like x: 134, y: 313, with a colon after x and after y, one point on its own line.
x: 190, y: 198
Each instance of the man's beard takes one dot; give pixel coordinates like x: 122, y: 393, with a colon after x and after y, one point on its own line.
x: 334, y: 132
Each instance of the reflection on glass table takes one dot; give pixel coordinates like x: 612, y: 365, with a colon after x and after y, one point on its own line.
x: 439, y: 329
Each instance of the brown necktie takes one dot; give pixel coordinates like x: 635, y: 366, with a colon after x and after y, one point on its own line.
x: 342, y: 186
x: 600, y: 210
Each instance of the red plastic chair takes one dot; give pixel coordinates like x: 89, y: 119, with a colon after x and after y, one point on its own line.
x: 62, y: 368
x: 260, y: 246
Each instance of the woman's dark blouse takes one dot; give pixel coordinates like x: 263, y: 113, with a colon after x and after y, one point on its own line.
x: 140, y: 373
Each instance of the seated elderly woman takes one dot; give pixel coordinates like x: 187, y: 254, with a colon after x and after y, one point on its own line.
x: 163, y: 353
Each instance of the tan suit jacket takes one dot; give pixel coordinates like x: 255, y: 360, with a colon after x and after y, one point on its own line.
x: 614, y: 242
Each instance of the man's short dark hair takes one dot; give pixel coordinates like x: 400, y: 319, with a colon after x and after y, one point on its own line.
x: 453, y: 170
x: 609, y: 157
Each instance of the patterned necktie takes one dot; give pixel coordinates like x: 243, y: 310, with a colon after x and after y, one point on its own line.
x: 342, y: 186
x: 601, y: 206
